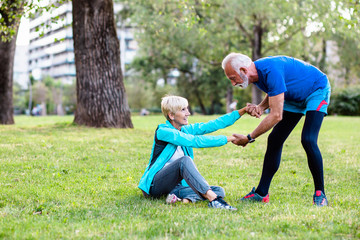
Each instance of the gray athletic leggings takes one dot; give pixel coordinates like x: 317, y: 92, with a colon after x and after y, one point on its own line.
x: 169, y: 177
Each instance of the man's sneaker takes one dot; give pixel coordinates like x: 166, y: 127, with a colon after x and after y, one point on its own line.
x: 253, y: 196
x: 220, y: 203
x: 319, y: 199
x: 172, y: 198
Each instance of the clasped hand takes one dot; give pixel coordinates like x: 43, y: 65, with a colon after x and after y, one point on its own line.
x: 252, y: 110
x: 240, y: 140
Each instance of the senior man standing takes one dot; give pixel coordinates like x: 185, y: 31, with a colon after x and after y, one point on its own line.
x: 293, y: 88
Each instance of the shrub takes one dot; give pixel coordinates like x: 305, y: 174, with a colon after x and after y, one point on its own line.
x: 346, y: 101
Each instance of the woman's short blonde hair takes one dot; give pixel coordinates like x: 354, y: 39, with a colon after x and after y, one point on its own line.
x: 172, y: 104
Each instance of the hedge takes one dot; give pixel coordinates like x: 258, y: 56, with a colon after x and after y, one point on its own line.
x: 345, y: 101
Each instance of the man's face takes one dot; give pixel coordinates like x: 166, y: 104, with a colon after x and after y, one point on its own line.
x: 246, y: 81
x: 237, y: 80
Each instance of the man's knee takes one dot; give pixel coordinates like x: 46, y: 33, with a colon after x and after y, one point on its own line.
x: 274, y: 140
x: 308, y: 141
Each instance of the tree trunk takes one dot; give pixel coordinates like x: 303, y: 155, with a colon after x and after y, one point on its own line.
x: 30, y: 97
x: 59, y: 105
x: 200, y: 102
x: 7, y: 54
x: 256, y: 54
x: 43, y: 109
x: 322, y: 63
x: 101, y: 98
x: 229, y: 98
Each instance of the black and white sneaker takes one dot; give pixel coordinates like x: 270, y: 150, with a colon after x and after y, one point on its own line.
x: 219, y: 202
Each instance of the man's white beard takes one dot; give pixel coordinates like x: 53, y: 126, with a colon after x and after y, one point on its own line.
x: 245, y: 79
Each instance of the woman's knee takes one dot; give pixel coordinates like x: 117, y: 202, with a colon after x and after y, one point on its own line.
x: 186, y: 161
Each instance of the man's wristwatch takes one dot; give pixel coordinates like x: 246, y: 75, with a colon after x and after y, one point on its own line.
x: 251, y: 140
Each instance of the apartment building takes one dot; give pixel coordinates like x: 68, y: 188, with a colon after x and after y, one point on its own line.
x: 51, y: 48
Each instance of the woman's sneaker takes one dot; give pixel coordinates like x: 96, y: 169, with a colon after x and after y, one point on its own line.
x: 319, y: 199
x: 253, y: 196
x: 219, y: 202
x: 172, y: 198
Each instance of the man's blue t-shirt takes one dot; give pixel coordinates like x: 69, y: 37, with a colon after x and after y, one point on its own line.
x: 296, y: 78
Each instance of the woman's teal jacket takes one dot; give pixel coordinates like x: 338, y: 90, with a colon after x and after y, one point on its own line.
x: 189, y: 137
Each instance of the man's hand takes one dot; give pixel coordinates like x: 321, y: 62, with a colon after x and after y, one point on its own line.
x: 276, y: 104
x: 254, y: 110
x: 240, y: 140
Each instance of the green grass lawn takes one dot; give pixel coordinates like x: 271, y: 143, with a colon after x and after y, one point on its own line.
x: 61, y: 181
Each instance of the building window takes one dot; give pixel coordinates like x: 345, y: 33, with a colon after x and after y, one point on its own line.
x: 130, y: 44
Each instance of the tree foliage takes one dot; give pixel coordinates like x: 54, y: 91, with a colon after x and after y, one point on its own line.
x: 14, y: 10
x: 177, y: 34
x: 10, y: 15
x: 346, y: 34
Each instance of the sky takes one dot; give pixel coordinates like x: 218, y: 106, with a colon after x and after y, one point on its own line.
x: 23, y: 34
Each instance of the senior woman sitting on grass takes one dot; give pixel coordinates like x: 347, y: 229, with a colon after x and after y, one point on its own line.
x: 171, y: 169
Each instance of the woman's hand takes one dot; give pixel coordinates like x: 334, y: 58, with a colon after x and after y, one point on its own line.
x: 231, y: 138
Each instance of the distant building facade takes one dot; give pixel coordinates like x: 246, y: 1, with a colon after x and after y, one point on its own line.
x: 21, y: 66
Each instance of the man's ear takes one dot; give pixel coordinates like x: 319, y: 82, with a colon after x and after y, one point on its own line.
x: 244, y: 69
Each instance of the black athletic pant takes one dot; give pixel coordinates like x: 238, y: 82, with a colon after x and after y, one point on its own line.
x: 309, y: 137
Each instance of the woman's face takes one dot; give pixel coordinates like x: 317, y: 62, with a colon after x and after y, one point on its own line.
x: 180, y: 118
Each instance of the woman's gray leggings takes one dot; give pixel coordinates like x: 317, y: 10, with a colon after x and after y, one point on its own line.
x: 169, y: 177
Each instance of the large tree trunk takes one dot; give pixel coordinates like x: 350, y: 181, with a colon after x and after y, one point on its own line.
x: 256, y: 54
x: 7, y: 54
x: 101, y: 99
